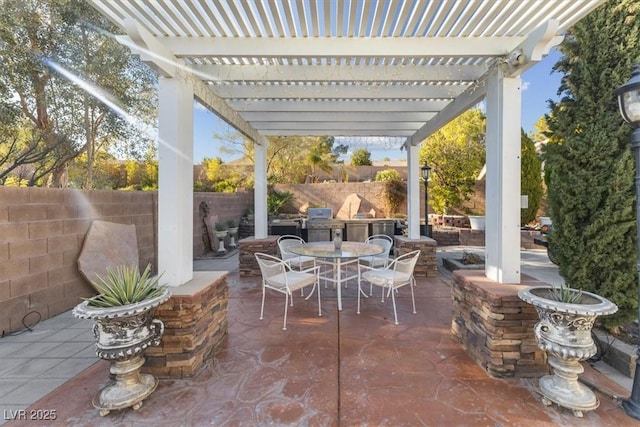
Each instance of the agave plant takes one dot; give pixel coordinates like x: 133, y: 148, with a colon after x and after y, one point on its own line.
x: 566, y: 294
x: 231, y: 224
x: 125, y: 285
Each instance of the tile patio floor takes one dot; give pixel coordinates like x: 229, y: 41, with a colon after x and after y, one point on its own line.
x: 341, y: 369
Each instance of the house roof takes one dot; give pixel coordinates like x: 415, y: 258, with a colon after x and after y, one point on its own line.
x: 372, y: 68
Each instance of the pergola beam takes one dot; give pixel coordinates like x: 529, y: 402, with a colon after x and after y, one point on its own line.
x: 217, y: 105
x: 309, y: 47
x: 339, y: 116
x: 339, y: 91
x: 320, y: 105
x: 330, y: 127
x: 339, y: 73
x: 339, y: 132
x: 462, y: 103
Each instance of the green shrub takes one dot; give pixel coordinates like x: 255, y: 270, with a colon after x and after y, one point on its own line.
x: 277, y: 200
x: 387, y: 175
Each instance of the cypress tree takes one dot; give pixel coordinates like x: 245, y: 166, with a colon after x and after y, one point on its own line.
x: 530, y: 178
x: 589, y: 166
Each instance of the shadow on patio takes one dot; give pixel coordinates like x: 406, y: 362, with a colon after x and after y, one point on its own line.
x: 339, y: 369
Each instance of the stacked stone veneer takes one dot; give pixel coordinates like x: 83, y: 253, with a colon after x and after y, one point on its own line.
x: 458, y: 221
x: 495, y: 327
x: 446, y: 236
x: 248, y: 247
x: 195, y: 325
x: 468, y: 237
x: 427, y: 265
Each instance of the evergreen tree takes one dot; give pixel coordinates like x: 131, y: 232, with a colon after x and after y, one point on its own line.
x: 588, y: 164
x: 530, y: 179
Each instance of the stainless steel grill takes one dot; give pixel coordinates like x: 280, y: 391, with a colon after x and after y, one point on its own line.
x: 320, y: 224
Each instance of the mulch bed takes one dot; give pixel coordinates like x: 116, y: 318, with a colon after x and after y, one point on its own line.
x: 627, y: 333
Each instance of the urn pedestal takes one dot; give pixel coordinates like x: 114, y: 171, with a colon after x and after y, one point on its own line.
x: 122, y: 333
x: 221, y: 236
x: 233, y: 234
x: 564, y: 332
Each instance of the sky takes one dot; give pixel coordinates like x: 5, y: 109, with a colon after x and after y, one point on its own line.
x: 539, y: 84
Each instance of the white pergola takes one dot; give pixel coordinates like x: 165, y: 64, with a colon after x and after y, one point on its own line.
x: 354, y: 68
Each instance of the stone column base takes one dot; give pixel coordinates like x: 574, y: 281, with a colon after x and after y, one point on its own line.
x: 495, y: 327
x: 248, y: 247
x: 195, y: 325
x: 427, y: 265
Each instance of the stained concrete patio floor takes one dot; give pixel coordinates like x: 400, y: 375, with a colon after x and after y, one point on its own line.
x: 341, y: 369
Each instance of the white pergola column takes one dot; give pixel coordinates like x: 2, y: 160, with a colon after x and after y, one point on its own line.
x: 260, y: 189
x: 413, y: 192
x: 502, y: 234
x: 175, y: 181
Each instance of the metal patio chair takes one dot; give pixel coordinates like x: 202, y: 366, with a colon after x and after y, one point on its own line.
x: 397, y: 274
x: 278, y: 276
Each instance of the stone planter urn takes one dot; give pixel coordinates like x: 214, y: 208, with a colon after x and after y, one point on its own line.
x: 122, y: 334
x: 233, y: 233
x: 564, y: 332
x: 477, y: 222
x: 221, y: 235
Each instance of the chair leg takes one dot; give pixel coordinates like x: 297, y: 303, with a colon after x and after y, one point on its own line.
x: 317, y: 283
x: 262, y: 307
x: 312, y: 289
x: 411, y: 285
x: 393, y: 298
x: 359, y: 290
x: 286, y: 306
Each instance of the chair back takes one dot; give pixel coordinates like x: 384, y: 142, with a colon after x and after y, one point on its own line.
x: 406, y: 263
x: 270, y: 266
x: 285, y: 242
x: 381, y: 240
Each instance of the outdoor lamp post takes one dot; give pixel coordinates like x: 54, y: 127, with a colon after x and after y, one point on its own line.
x: 629, y: 101
x: 426, y: 173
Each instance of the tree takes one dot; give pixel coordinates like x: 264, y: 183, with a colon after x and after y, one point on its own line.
x: 394, y: 192
x: 456, y: 154
x: 530, y: 178
x: 290, y: 159
x: 541, y: 132
x: 67, y: 80
x: 589, y: 168
x: 361, y: 157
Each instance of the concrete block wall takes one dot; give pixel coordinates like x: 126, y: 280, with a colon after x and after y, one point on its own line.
x: 225, y: 205
x: 41, y: 234
x: 333, y: 195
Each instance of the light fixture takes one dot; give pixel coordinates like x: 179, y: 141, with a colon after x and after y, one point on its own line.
x: 629, y: 101
x: 515, y: 58
x: 426, y: 174
x: 629, y: 98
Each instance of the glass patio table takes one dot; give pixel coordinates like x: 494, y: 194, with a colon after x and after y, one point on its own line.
x: 348, y: 254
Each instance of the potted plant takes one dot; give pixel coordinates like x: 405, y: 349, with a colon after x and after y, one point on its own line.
x: 124, y: 326
x: 233, y: 232
x: 477, y: 222
x: 566, y: 316
x: 221, y: 232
